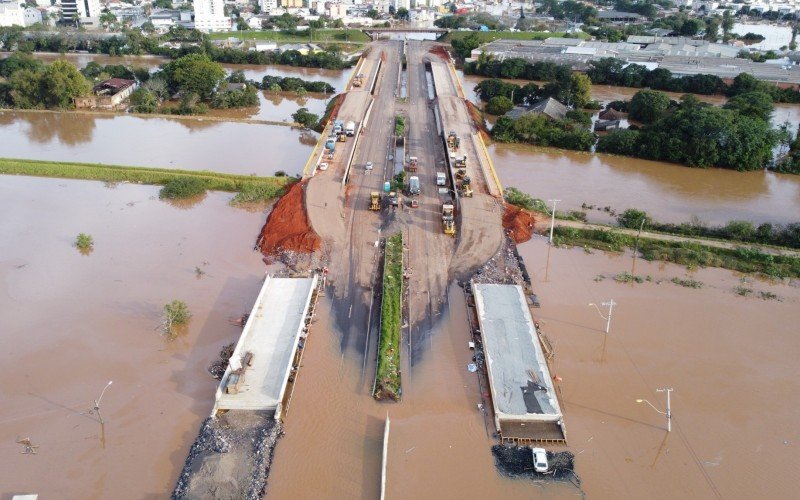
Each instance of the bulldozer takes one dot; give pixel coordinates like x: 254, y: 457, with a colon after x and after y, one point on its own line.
x: 375, y: 200
x: 448, y: 219
x: 466, y: 186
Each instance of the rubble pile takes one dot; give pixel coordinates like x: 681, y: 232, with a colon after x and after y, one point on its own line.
x: 264, y: 451
x: 504, y: 268
x: 517, y: 461
x: 218, y: 366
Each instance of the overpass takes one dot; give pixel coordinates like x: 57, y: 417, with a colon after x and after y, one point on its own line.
x: 375, y: 33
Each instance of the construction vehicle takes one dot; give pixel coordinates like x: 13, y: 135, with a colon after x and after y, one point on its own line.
x: 466, y: 187
x: 461, y: 162
x: 342, y: 137
x: 453, y: 141
x: 330, y: 144
x: 448, y: 218
x: 338, y: 127
x: 350, y: 128
x: 412, y: 164
x: 394, y: 200
x: 358, y: 80
x: 375, y: 200
x: 461, y: 173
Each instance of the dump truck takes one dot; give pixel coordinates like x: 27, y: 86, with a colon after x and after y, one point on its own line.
x: 413, y: 185
x: 448, y: 218
x: 350, y: 128
x: 412, y: 164
x: 330, y: 144
x: 453, y: 141
x: 375, y: 200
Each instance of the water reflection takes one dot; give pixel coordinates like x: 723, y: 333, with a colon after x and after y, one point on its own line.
x: 43, y: 128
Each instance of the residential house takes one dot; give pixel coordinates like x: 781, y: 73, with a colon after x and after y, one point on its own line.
x: 548, y: 107
x: 108, y: 94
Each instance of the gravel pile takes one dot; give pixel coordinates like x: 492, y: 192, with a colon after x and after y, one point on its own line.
x: 504, y: 268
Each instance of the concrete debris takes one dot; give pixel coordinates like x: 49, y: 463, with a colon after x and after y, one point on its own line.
x: 517, y: 461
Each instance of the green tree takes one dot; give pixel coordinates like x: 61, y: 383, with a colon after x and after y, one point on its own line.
x: 463, y: 46
x: 580, y: 90
x: 144, y: 101
x: 499, y: 105
x: 194, y: 73
x: 60, y: 83
x: 727, y: 24
x: 305, y: 118
x: 648, y: 106
x: 633, y: 218
x: 402, y: 14
x: 17, y: 61
x: 754, y: 104
x: 24, y: 89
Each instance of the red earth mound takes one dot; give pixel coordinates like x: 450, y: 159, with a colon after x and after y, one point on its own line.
x: 440, y: 51
x: 287, y: 227
x: 477, y: 118
x: 519, y: 223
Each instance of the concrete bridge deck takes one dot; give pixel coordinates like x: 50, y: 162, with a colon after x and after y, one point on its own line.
x: 271, y: 334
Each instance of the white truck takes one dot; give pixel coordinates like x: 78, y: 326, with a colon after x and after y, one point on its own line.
x: 441, y: 180
x: 413, y: 185
x: 350, y: 129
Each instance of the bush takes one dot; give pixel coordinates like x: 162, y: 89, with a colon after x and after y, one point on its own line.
x: 304, y: 118
x: 257, y: 191
x: 648, y: 106
x: 399, y: 125
x: 499, y: 105
x: 633, y: 218
x: 523, y: 200
x: 182, y: 187
x: 84, y: 241
x: 176, y: 313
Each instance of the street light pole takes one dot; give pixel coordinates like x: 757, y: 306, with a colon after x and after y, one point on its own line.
x: 667, y: 413
x: 553, y: 219
x: 610, y: 304
x: 668, y: 390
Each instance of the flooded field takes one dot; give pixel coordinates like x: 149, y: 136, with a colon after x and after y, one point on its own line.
x: 192, y: 144
x: 273, y: 107
x: 730, y: 360
x: 668, y: 192
x: 73, y: 322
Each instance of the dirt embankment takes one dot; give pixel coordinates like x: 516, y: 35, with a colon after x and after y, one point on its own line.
x: 519, y: 223
x: 477, y: 117
x: 287, y: 228
x: 440, y: 51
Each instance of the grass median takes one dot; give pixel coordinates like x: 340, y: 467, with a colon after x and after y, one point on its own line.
x: 387, y: 379
x: 248, y: 187
x: 693, y: 255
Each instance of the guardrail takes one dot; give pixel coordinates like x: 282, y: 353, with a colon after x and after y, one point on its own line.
x: 311, y: 165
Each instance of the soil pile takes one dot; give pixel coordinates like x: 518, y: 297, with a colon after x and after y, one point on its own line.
x: 440, y: 51
x: 287, y: 228
x: 519, y: 223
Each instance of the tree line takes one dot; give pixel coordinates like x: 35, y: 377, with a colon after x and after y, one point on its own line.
x: 612, y: 71
x: 133, y: 42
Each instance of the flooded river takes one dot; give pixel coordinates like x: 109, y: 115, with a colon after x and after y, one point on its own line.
x: 73, y: 322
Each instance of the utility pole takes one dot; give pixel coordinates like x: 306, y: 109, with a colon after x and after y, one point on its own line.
x: 553, y: 219
x: 668, y: 390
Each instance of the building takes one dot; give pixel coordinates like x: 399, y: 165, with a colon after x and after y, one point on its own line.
x: 209, y: 15
x: 83, y: 11
x: 31, y: 16
x: 108, y: 94
x: 264, y: 46
x: 613, y: 16
x: 549, y: 107
x: 11, y: 14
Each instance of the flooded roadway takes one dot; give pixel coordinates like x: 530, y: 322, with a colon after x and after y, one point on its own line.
x: 72, y: 322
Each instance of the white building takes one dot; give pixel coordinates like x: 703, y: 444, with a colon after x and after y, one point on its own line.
x: 268, y: 5
x: 11, y: 14
x: 402, y: 4
x: 31, y: 16
x: 209, y: 15
x: 81, y: 10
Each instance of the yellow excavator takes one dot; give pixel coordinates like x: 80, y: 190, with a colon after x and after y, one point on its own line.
x: 375, y: 200
x: 466, y: 187
x: 448, y: 219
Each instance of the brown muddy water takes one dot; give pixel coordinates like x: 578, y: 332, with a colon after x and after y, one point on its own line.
x: 192, y: 144
x: 72, y: 322
x: 439, y: 445
x: 273, y: 107
x: 730, y: 359
x: 668, y: 192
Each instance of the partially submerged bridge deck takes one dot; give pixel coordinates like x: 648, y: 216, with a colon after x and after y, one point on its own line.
x: 269, y: 342
x: 523, y: 396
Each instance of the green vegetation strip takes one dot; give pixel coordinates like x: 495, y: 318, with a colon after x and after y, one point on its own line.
x: 692, y: 255
x: 249, y: 187
x: 387, y: 383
